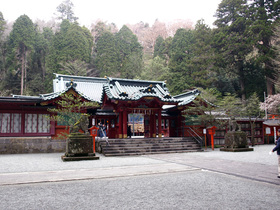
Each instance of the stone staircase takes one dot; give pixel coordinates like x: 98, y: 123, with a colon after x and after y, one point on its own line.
x: 144, y: 146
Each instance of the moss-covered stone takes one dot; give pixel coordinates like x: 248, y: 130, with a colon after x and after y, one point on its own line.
x: 236, y: 139
x: 79, y: 144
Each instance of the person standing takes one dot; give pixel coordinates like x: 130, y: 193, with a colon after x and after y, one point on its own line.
x: 129, y: 133
x: 99, y: 134
x: 277, y: 148
x: 104, y: 128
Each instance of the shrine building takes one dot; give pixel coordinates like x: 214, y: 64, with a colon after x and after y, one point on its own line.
x: 146, y: 108
x: 128, y: 108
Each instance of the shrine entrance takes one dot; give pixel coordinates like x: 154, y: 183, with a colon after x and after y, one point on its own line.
x: 147, y: 126
x: 136, y: 125
x: 142, y: 122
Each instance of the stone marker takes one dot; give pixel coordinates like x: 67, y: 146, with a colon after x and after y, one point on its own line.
x: 236, y: 140
x: 79, y: 146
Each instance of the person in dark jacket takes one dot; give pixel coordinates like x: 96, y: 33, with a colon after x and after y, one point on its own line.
x: 277, y: 148
x: 129, y: 133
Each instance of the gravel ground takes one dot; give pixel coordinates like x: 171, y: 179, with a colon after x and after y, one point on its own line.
x: 187, y: 190
x: 193, y: 189
x: 259, y: 155
x: 14, y: 163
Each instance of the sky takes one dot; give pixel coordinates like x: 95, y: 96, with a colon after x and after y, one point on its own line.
x: 119, y: 12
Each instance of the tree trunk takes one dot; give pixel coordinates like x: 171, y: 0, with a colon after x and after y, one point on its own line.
x: 22, y: 71
x: 252, y: 125
x: 241, y: 80
x: 25, y: 71
x: 269, y: 86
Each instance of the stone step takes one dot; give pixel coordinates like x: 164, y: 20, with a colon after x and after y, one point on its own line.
x: 116, y: 149
x: 143, y: 140
x: 135, y: 153
x: 122, y: 147
x: 136, y: 144
x: 142, y: 143
x: 115, y: 146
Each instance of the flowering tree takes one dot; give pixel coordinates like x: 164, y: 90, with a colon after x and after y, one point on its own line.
x: 271, y: 104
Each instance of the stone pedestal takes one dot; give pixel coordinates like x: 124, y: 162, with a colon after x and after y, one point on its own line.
x: 79, y: 146
x: 236, y: 141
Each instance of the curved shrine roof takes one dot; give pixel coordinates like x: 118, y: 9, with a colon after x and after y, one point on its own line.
x: 133, y: 90
x: 94, y: 89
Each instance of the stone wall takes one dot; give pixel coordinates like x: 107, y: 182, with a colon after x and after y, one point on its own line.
x: 16, y: 145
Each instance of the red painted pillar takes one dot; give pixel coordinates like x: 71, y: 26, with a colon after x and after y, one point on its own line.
x: 124, y: 124
x: 212, y: 131
x: 120, y: 129
x: 180, y: 126
x: 153, y: 125
x: 159, y: 124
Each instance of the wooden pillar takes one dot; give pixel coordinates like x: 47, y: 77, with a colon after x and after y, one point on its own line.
x: 159, y: 124
x: 120, y: 129
x: 180, y: 134
x: 124, y: 124
x: 153, y: 125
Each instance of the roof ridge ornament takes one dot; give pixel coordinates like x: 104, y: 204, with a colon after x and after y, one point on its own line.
x: 71, y: 84
x: 123, y: 94
x: 149, y: 89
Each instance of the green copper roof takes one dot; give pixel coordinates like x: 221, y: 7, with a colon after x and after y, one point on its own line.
x: 94, y: 89
x: 187, y: 97
x: 133, y: 90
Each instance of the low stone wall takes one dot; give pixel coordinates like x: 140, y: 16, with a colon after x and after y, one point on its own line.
x: 16, y: 145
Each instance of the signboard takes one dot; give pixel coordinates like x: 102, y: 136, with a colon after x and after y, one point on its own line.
x: 267, y: 130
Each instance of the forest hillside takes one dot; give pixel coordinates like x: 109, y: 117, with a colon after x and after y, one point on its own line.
x: 240, y: 55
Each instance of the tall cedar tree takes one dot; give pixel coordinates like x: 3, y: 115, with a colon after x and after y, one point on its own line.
x: 181, y: 52
x: 37, y: 65
x: 106, y: 55
x: 232, y: 40
x: 162, y: 48
x: 21, y: 42
x: 2, y: 47
x: 158, y: 49
x: 202, y: 62
x: 130, y: 53
x: 69, y: 44
x: 155, y: 69
x: 265, y: 16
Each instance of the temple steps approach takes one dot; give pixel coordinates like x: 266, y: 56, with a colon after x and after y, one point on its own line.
x: 144, y: 146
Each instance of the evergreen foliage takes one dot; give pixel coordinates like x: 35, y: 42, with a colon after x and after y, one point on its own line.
x: 232, y: 40
x: 71, y: 43
x: 20, y: 47
x: 69, y: 110
x: 265, y: 16
x: 155, y: 70
x: 181, y: 53
x: 107, y: 55
x: 130, y: 53
x: 158, y: 49
x: 237, y: 57
x: 2, y: 50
